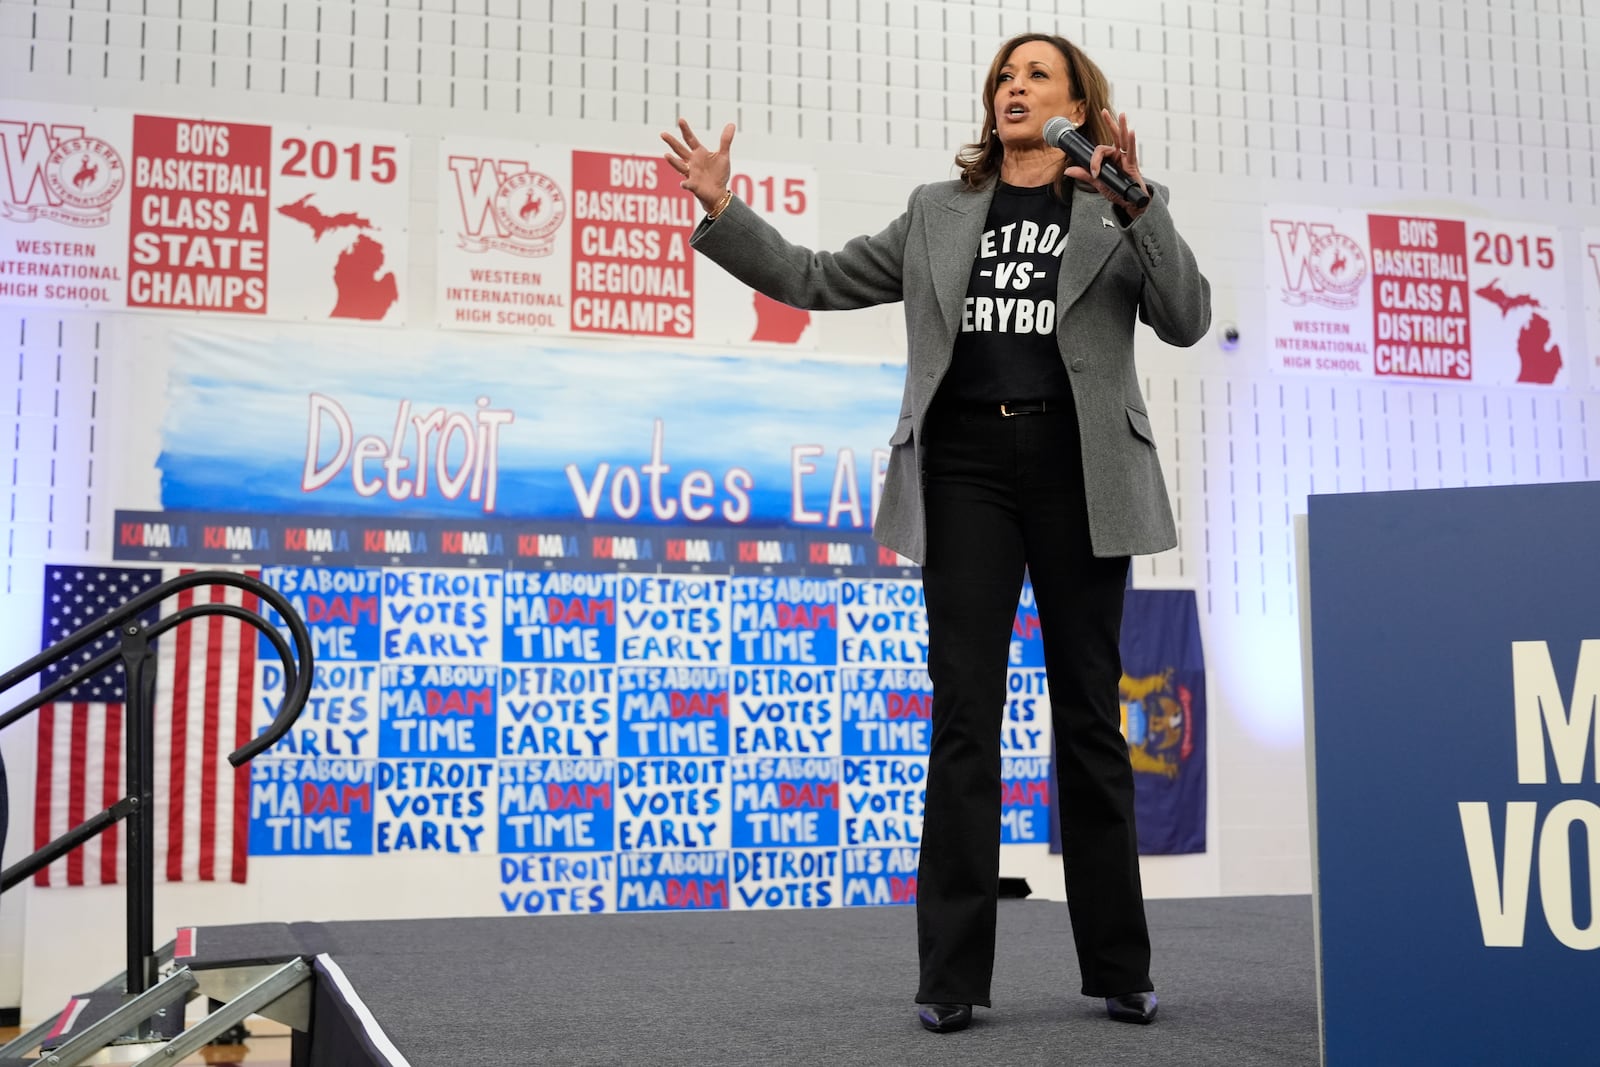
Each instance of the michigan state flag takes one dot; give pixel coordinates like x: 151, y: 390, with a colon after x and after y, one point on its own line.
x: 1163, y: 697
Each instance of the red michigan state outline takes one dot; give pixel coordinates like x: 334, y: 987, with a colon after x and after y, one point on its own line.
x: 362, y: 293
x: 778, y: 323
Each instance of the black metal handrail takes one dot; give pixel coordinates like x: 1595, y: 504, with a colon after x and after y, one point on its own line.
x: 138, y: 663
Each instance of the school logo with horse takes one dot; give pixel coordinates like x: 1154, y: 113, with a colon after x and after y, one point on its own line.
x: 61, y: 174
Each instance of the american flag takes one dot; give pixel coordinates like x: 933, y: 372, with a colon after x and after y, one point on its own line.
x: 205, y: 682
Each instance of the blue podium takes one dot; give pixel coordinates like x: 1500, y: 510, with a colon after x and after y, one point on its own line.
x: 1453, y: 723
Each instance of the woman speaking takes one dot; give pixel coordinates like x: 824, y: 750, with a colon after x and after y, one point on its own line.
x: 1023, y: 445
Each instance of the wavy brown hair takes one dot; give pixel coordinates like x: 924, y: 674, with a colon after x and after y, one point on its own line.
x: 980, y: 161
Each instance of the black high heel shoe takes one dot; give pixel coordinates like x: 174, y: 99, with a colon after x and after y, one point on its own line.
x: 1132, y: 1007
x: 945, y: 1018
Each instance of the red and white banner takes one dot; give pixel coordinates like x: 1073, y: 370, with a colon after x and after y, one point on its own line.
x: 200, y: 215
x: 539, y: 239
x: 340, y: 202
x: 1415, y: 298
x: 112, y: 210
x: 1591, y: 300
x: 64, y: 191
x: 786, y: 196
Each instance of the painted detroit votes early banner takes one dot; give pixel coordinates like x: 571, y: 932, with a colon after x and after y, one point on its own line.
x: 517, y: 654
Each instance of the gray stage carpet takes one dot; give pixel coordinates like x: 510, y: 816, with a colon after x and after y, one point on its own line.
x: 1235, y: 977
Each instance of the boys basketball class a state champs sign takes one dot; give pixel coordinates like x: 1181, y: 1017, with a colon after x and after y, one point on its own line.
x: 108, y: 210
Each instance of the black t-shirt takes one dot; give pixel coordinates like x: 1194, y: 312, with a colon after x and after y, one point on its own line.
x: 1006, y: 349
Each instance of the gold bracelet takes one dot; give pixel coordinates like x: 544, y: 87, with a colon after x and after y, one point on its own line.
x: 722, y: 205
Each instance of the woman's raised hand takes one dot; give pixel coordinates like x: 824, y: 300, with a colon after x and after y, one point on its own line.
x: 1123, y: 151
x: 705, y: 173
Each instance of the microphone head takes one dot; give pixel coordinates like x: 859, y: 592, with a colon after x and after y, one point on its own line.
x: 1054, y: 128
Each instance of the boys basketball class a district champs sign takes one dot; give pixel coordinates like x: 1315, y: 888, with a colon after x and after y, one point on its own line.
x: 1411, y: 298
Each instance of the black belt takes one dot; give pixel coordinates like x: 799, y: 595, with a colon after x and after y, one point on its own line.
x: 1006, y: 409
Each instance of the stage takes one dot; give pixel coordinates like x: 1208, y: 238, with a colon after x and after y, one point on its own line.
x: 1235, y: 976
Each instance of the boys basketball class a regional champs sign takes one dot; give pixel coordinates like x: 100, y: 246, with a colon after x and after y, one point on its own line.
x: 108, y: 210
x: 547, y: 240
x: 1409, y: 298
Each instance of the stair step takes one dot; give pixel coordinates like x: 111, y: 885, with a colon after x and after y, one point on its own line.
x: 29, y: 1039
x: 248, y: 944
x: 253, y: 969
x: 85, y: 1011
x: 282, y: 992
x: 82, y: 1030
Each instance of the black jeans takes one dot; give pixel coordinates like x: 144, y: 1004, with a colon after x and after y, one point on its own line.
x: 1005, y: 495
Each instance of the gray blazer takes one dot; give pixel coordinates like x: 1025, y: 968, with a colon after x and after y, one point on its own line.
x: 924, y: 257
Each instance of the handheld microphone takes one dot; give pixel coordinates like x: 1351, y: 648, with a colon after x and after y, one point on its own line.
x: 1062, y: 134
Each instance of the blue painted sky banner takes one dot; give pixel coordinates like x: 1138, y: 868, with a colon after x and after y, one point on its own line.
x: 1163, y: 696
x: 342, y: 423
